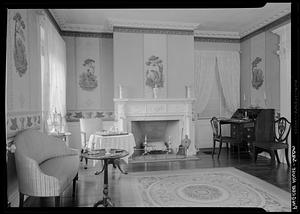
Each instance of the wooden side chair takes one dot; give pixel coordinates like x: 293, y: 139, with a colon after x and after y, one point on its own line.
x: 282, y: 129
x: 217, y: 136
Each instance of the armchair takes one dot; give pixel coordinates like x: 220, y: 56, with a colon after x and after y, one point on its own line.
x: 278, y: 140
x: 45, y: 165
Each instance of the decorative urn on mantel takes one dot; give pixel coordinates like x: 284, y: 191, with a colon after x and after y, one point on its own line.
x: 140, y: 109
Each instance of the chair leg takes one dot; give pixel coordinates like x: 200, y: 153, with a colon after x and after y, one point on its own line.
x: 277, y: 157
x: 238, y: 151
x: 220, y: 149
x: 86, y: 163
x: 254, y: 154
x: 57, y: 201
x: 214, y: 146
x: 272, y: 154
x: 287, y: 157
x: 81, y: 155
x: 21, y: 199
x: 227, y: 148
x: 74, y: 185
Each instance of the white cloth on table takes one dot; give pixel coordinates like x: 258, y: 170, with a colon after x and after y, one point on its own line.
x: 125, y: 142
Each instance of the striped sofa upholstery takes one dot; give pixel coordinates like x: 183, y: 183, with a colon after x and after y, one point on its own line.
x: 45, y: 165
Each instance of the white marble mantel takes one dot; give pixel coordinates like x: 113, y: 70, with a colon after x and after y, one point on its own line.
x: 139, y: 109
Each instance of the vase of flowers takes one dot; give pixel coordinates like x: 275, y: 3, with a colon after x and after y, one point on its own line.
x: 155, y: 91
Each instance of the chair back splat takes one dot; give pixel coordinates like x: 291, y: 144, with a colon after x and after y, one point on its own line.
x: 215, y: 125
x: 282, y: 129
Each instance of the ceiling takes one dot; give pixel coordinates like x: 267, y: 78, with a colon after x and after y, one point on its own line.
x: 227, y: 22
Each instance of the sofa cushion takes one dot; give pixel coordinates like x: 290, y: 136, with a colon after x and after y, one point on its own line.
x: 64, y: 168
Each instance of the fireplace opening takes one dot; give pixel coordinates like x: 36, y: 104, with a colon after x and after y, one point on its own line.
x: 159, y: 136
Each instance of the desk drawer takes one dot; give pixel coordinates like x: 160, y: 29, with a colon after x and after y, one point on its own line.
x: 248, y: 133
x: 235, y: 131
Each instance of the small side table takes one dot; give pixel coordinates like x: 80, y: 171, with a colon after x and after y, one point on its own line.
x: 108, y: 158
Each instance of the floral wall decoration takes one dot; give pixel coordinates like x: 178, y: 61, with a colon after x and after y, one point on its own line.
x: 74, y: 116
x: 154, y: 72
x: 155, y: 66
x: 88, y: 79
x: 18, y: 121
x: 258, y: 67
x: 19, y: 49
x: 257, y: 74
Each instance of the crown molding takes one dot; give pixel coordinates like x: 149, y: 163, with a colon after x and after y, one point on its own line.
x: 153, y: 31
x: 87, y: 34
x: 217, y: 34
x: 210, y: 39
x: 154, y: 26
x: 59, y: 18
x: 85, y: 28
x: 151, y: 24
x: 265, y: 22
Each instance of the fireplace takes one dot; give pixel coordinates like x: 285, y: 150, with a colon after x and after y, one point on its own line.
x: 174, y: 116
x: 159, y: 132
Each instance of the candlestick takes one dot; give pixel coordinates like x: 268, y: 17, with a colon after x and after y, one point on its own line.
x: 120, y: 92
x: 187, y: 91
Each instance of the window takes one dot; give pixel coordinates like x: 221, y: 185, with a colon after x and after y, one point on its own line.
x: 53, y: 77
x: 216, y: 103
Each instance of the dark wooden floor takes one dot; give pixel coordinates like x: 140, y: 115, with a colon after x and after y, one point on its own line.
x: 89, y: 187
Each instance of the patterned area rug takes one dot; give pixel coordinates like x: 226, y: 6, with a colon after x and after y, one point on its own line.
x: 213, y: 187
x: 161, y: 157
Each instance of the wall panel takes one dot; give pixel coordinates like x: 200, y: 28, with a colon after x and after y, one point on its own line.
x: 128, y: 63
x: 181, y: 65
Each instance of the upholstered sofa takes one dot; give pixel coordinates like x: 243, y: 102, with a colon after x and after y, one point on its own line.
x: 45, y: 165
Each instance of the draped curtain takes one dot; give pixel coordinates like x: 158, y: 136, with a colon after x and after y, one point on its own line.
x: 229, y: 72
x: 53, y: 66
x: 204, y: 74
x: 228, y: 66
